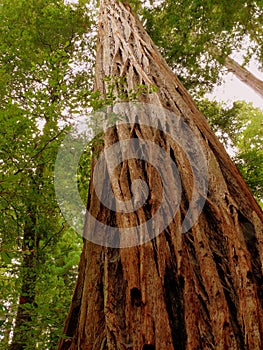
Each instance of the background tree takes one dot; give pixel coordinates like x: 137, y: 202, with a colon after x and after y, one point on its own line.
x: 40, y: 90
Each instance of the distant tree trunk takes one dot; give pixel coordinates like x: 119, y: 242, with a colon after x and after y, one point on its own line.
x: 197, y: 290
x: 245, y: 76
x: 23, y: 333
x: 21, y: 336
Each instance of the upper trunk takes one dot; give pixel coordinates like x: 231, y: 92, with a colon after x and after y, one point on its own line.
x: 245, y: 76
x: 197, y: 290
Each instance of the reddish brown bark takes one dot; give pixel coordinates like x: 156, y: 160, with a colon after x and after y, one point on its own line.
x: 197, y: 290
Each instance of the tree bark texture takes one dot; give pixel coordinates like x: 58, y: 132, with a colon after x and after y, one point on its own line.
x: 245, y: 76
x: 197, y: 290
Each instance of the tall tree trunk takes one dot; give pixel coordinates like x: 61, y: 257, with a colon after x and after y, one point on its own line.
x: 245, y: 76
x: 23, y: 333
x: 22, y: 336
x: 198, y: 290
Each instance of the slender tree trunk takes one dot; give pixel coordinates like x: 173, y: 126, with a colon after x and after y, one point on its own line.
x: 23, y: 333
x: 245, y: 76
x: 23, y: 324
x: 198, y: 290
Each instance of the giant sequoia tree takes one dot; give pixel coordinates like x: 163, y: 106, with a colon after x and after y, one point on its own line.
x: 196, y: 285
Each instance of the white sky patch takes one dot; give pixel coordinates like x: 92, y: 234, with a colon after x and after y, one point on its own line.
x: 71, y: 1
x: 233, y: 89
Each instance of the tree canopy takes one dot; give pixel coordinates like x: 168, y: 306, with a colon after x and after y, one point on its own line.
x: 197, y: 37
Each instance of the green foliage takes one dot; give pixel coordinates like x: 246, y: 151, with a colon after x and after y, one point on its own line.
x: 196, y: 36
x: 226, y: 122
x: 249, y: 158
x: 55, y: 287
x: 240, y: 129
x: 40, y: 91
